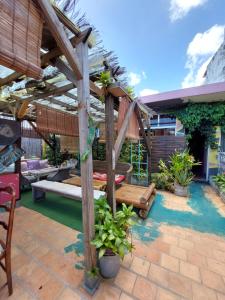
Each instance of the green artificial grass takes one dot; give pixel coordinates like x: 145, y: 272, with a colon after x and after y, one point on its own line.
x: 63, y: 210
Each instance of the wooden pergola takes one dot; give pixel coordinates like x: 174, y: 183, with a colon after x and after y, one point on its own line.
x: 70, y: 87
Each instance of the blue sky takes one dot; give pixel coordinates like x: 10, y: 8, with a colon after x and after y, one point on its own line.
x: 164, y: 44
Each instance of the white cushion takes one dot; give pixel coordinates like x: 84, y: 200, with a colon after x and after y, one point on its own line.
x: 67, y: 190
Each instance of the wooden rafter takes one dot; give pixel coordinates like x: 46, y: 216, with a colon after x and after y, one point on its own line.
x: 56, y: 28
x: 41, y: 135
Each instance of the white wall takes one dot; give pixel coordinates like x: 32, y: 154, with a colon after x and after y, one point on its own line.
x: 216, y: 68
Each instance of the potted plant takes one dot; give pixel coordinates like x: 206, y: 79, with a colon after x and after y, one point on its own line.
x: 111, y: 236
x: 92, y: 280
x: 179, y: 171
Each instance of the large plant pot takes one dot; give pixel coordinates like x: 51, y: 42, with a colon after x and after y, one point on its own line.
x: 109, y: 265
x: 180, y: 190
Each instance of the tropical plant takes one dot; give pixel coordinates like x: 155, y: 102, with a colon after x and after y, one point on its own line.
x: 162, y: 181
x: 130, y: 91
x: 180, y: 166
x: 111, y: 232
x: 105, y: 79
x: 220, y: 181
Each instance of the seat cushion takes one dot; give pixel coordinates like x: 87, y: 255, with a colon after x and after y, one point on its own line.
x: 43, y: 163
x: 103, y: 177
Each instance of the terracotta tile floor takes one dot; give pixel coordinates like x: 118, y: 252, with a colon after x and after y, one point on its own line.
x: 179, y: 264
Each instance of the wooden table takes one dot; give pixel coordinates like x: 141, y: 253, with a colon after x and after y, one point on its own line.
x: 76, y: 180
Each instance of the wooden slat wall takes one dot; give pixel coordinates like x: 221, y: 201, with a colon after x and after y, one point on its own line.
x: 162, y: 147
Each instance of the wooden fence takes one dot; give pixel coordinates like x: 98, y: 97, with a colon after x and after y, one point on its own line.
x: 162, y: 147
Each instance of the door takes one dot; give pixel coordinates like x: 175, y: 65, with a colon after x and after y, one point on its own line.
x: 198, y: 149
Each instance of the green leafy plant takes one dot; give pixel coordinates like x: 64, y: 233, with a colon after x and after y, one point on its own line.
x: 105, y: 79
x: 54, y: 156
x: 203, y: 117
x: 162, y: 181
x: 130, y: 91
x: 94, y: 272
x: 220, y: 181
x: 180, y: 167
x: 111, y: 232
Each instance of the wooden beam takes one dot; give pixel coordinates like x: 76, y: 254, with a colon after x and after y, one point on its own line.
x: 66, y: 22
x: 23, y: 109
x: 83, y: 94
x: 63, y: 68
x: 41, y: 135
x: 110, y: 152
x: 60, y: 36
x: 122, y: 133
x: 57, y: 91
x: 66, y: 105
x: 72, y: 96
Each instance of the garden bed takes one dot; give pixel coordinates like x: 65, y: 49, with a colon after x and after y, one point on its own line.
x: 217, y: 189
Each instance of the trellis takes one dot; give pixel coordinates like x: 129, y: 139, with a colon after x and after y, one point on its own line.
x: 69, y: 87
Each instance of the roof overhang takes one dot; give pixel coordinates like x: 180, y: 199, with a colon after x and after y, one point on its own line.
x: 174, y: 99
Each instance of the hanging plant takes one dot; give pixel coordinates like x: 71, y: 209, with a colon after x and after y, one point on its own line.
x: 105, y: 80
x: 203, y: 117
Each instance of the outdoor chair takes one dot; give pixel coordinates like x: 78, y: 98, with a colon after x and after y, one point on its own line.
x: 5, y: 246
x: 60, y: 175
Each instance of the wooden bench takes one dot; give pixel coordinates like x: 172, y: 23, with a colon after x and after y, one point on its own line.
x: 139, y: 196
x: 66, y: 190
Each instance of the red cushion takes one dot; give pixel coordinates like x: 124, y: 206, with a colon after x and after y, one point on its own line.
x: 119, y: 178
x: 103, y: 177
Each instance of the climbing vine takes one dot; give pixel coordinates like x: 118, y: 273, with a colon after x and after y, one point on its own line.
x: 203, y: 117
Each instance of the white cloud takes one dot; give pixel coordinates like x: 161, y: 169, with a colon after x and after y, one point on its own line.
x: 134, y: 78
x: 180, y: 8
x: 147, y: 92
x: 144, y: 75
x: 199, y: 53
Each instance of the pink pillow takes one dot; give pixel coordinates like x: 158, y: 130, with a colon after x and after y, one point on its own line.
x: 119, y: 178
x: 24, y: 166
x: 43, y: 164
x: 103, y: 177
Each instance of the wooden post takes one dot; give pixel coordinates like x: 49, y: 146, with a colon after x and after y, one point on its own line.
x: 83, y: 95
x: 110, y: 153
